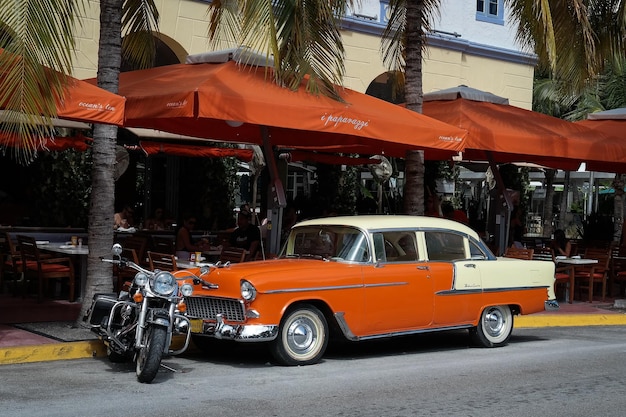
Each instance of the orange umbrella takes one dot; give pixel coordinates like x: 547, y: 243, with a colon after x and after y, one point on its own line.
x: 81, y: 101
x: 611, y: 123
x: 514, y: 134
x: 238, y: 103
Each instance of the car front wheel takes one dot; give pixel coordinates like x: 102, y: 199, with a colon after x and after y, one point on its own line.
x: 302, y: 338
x: 494, y: 328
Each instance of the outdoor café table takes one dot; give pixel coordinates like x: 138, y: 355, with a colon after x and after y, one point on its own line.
x: 576, y: 261
x: 190, y: 264
x: 75, y: 252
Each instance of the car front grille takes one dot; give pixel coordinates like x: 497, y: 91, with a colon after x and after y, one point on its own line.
x: 210, y: 307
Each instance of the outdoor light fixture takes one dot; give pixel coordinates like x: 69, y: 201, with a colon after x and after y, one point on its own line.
x: 233, y: 123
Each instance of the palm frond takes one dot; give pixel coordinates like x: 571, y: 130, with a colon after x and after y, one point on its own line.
x: 140, y: 20
x: 225, y: 23
x: 34, y: 34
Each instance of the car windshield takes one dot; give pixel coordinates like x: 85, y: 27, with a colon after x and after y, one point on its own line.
x: 338, y: 243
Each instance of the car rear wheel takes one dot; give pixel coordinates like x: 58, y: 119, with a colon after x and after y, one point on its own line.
x: 302, y: 337
x: 494, y: 328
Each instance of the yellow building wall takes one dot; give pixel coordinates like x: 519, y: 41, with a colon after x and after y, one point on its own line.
x: 184, y: 28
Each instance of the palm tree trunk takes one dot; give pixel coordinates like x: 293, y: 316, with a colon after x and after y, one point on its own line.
x: 101, y: 211
x: 414, y: 95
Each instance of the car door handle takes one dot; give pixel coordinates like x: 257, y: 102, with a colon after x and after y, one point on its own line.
x: 423, y: 267
x: 470, y: 265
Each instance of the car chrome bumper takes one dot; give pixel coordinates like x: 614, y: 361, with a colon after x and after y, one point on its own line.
x: 240, y: 332
x: 551, y: 305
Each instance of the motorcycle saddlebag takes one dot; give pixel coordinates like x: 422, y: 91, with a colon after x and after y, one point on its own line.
x: 101, y: 308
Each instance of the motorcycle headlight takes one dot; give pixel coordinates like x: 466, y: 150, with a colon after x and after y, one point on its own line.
x: 141, y: 279
x: 164, y: 283
x: 186, y: 290
x: 248, y: 292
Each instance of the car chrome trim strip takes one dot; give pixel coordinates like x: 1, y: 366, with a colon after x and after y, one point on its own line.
x: 386, y: 284
x: 339, y: 316
x: 329, y: 288
x: 484, y: 290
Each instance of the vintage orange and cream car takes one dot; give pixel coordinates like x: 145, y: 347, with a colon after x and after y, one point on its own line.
x: 367, y: 277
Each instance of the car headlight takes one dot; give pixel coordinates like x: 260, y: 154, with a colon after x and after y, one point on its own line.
x: 141, y: 279
x: 186, y: 290
x: 248, y: 292
x: 164, y: 283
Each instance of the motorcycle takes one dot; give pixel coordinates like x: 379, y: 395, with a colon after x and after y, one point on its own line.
x: 140, y: 323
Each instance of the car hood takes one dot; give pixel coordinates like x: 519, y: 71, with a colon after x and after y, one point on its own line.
x: 282, y: 273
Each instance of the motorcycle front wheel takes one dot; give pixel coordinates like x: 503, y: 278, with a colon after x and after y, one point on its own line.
x: 149, y: 356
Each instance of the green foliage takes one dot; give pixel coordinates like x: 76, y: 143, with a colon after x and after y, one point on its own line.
x: 209, y: 191
x: 61, y: 187
x: 336, y: 190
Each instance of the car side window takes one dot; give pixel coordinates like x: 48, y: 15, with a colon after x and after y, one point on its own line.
x: 395, y: 246
x: 476, y: 252
x: 444, y: 246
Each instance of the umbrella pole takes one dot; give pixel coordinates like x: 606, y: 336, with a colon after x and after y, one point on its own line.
x: 504, y: 212
x: 277, y: 200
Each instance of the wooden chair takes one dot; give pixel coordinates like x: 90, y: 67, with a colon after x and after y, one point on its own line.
x: 140, y: 245
x: 563, y: 275
x: 618, y: 269
x: 233, y: 255
x: 42, y: 268
x: 11, y: 263
x: 162, y: 261
x: 591, y: 275
x: 519, y: 253
x: 163, y: 244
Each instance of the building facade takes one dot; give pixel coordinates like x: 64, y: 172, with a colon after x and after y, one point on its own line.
x: 472, y: 44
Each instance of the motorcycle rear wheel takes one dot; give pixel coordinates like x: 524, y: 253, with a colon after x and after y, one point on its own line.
x: 149, y: 357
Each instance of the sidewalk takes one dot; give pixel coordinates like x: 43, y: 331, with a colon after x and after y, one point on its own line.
x: 36, y: 332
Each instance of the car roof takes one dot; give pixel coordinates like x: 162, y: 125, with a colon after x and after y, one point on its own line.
x: 375, y: 222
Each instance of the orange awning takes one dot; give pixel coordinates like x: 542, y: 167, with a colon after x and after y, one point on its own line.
x: 81, y: 101
x: 153, y: 148
x: 78, y: 142
x: 233, y: 103
x: 512, y: 134
x: 616, y: 130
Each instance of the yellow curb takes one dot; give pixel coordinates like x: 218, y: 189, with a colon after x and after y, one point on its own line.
x: 548, y: 320
x: 52, y: 352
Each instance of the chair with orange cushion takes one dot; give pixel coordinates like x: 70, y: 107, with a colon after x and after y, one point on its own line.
x: 36, y: 266
x: 588, y: 276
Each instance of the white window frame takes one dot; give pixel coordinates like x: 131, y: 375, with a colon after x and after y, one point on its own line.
x: 485, y: 16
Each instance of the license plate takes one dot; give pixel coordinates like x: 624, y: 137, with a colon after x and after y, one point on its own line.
x: 197, y: 325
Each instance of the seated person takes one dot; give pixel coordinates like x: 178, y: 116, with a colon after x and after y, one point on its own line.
x: 561, y: 245
x: 157, y: 222
x: 124, y: 218
x: 184, y: 245
x: 246, y: 235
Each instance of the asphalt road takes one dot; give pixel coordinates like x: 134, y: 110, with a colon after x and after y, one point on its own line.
x: 550, y: 371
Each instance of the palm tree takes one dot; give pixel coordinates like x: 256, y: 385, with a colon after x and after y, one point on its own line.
x: 138, y: 19
x: 574, y: 39
x: 403, y: 43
